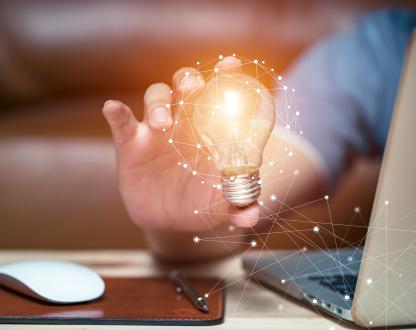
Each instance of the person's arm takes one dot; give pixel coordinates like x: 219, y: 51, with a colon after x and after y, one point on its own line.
x: 345, y: 90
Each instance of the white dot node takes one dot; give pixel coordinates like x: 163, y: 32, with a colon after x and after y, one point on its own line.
x: 179, y: 163
x: 176, y: 121
x: 304, y: 249
x: 209, y: 157
x: 301, y: 132
x: 314, y: 301
x: 285, y: 87
x: 315, y: 229
x: 296, y: 172
x: 280, y: 307
x: 297, y: 113
x: 185, y: 165
x: 279, y: 77
x: 167, y: 105
x: 357, y: 209
x: 259, y: 181
x: 347, y: 297
x: 369, y: 281
x: 290, y: 153
x: 273, y: 197
x: 331, y: 328
x: 263, y: 62
x: 371, y: 322
x: 289, y: 107
x: 400, y: 275
x: 221, y: 57
x: 253, y: 243
x: 164, y: 129
x: 272, y: 70
x: 218, y: 186
x: 206, y: 295
x: 194, y: 172
x: 287, y: 126
x: 231, y: 228
x: 255, y: 61
x: 198, y: 146
x: 170, y: 141
x: 196, y: 239
x: 203, y: 182
x: 386, y: 202
x: 181, y: 102
x: 326, y: 197
x: 234, y: 54
x: 171, y: 92
x: 186, y: 74
x: 293, y: 90
x: 271, y: 163
x: 350, y: 259
x: 283, y: 281
x: 216, y: 70
x: 195, y: 211
x: 197, y: 63
x: 261, y: 203
x: 258, y: 90
x: 281, y: 171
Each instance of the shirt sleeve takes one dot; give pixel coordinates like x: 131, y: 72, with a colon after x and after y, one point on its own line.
x: 346, y: 86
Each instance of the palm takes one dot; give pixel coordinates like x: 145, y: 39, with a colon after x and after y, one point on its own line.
x: 152, y: 171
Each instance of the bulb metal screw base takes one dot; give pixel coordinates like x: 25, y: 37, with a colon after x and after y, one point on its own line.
x: 243, y: 189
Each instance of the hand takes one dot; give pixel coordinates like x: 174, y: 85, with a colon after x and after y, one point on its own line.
x: 157, y: 193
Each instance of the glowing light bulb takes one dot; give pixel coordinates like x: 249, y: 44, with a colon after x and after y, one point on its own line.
x: 234, y: 117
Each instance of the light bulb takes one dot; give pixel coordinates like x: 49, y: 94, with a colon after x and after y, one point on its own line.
x: 234, y: 117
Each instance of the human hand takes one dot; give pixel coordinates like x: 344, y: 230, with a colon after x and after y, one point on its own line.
x: 157, y: 193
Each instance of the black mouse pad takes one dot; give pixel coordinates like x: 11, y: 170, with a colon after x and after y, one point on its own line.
x: 129, y: 301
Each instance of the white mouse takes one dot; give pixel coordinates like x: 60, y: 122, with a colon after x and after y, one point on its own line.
x: 56, y: 282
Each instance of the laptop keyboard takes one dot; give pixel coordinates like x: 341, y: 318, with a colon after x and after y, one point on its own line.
x: 343, y: 284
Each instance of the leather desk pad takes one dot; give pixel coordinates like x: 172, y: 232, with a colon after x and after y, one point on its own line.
x: 135, y: 301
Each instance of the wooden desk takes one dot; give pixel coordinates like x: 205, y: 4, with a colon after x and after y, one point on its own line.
x: 249, y: 306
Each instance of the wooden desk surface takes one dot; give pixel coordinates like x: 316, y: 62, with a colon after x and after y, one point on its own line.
x: 249, y: 306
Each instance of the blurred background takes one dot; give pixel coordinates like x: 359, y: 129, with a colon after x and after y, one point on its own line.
x: 59, y: 62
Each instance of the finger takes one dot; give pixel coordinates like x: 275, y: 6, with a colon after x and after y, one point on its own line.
x: 229, y: 64
x: 188, y: 83
x: 122, y: 122
x: 157, y: 101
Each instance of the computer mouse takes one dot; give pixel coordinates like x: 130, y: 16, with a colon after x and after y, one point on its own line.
x: 56, y: 282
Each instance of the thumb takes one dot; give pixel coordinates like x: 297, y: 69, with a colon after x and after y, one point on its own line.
x: 226, y: 212
x: 246, y: 217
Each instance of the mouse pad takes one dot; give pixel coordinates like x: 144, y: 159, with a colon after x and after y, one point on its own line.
x: 129, y: 301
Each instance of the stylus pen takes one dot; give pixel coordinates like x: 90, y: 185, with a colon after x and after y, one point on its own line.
x: 183, y: 285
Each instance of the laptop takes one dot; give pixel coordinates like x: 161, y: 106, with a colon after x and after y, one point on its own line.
x: 374, y: 285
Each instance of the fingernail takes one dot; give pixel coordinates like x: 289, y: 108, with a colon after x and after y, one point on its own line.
x: 160, y: 115
x: 189, y: 81
x: 108, y: 102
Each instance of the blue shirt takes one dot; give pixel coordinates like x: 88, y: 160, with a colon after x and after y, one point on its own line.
x: 346, y: 87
